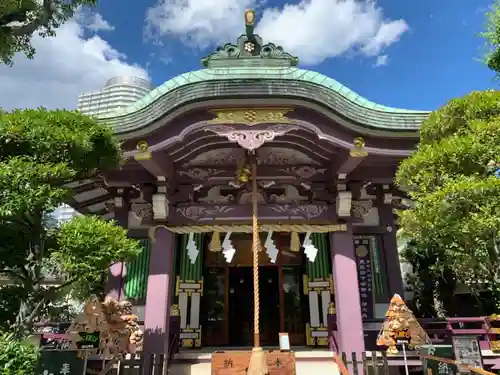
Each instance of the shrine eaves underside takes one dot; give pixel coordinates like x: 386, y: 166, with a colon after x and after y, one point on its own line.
x: 317, y: 144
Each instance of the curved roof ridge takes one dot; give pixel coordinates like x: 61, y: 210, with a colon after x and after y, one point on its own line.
x: 266, y: 81
x: 287, y: 73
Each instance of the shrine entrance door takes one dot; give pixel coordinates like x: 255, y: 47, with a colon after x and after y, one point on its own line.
x: 241, y: 306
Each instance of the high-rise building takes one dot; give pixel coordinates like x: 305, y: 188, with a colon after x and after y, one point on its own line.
x: 118, y: 92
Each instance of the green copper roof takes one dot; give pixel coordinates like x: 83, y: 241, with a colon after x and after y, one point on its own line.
x: 250, y: 68
x: 264, y: 82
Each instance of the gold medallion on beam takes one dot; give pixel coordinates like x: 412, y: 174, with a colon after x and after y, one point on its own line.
x: 358, y: 150
x: 144, y: 153
x: 250, y: 116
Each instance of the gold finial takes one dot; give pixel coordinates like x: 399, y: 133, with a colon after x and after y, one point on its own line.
x: 249, y: 24
x: 358, y: 151
x: 144, y: 153
x: 249, y: 17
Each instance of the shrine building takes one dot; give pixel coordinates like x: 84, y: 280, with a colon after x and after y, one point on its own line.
x: 326, y: 159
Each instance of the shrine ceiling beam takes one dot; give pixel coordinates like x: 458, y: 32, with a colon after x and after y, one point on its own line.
x: 211, y: 214
x: 84, y: 186
x: 119, y: 178
x: 157, y: 164
x: 346, y: 164
x: 383, y: 175
x: 208, y: 176
x: 75, y: 205
x: 93, y: 201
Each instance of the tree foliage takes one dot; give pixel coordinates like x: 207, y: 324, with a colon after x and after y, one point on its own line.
x: 40, y: 153
x: 17, y: 357
x: 492, y: 36
x: 457, y: 196
x: 20, y: 20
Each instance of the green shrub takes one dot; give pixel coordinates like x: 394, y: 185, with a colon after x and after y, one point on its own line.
x: 17, y: 357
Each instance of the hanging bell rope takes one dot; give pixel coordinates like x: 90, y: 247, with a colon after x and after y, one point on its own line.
x: 258, y: 363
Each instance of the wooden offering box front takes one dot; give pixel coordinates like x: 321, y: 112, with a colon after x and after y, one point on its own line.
x: 236, y: 362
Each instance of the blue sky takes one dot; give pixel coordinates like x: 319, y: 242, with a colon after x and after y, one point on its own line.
x: 429, y: 50
x: 437, y: 59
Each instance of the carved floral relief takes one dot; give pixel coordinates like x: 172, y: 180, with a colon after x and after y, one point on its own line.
x: 361, y: 208
x: 198, y: 212
x: 307, y: 211
x: 200, y: 174
x: 142, y: 211
x: 303, y: 171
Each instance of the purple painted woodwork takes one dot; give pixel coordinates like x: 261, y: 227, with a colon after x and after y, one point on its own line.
x: 174, y: 336
x: 158, y: 296
x: 318, y: 122
x: 219, y: 175
x: 117, y: 272
x: 390, y: 246
x: 348, y: 304
x: 241, y: 213
x: 115, y: 282
x: 365, y: 172
x: 331, y: 320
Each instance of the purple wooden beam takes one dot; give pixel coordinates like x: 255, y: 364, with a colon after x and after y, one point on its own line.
x: 190, y: 214
x: 218, y: 175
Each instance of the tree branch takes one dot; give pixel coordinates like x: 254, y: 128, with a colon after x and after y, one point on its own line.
x: 35, y: 311
x: 49, y: 293
x: 47, y: 11
x: 12, y: 273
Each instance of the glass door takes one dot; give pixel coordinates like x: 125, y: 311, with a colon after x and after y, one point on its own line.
x: 213, y: 307
x: 294, y: 322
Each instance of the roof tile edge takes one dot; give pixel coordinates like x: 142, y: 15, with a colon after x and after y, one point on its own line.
x: 288, y: 73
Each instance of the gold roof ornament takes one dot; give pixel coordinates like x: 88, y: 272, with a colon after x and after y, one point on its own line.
x: 250, y: 116
x: 249, y: 17
x: 144, y: 153
x: 358, y: 151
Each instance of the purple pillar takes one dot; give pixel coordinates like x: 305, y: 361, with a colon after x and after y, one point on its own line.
x: 158, y: 296
x: 390, y: 246
x: 347, y: 301
x: 116, y: 281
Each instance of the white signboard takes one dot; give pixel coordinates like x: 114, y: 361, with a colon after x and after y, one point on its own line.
x: 467, y: 351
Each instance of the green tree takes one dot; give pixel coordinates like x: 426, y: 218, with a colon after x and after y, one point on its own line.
x: 40, y: 153
x: 457, y: 197
x: 492, y: 36
x: 432, y: 281
x: 20, y: 20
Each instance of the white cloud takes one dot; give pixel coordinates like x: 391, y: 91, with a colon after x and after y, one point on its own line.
x: 96, y: 23
x: 382, y: 60
x: 64, y: 66
x: 312, y: 29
